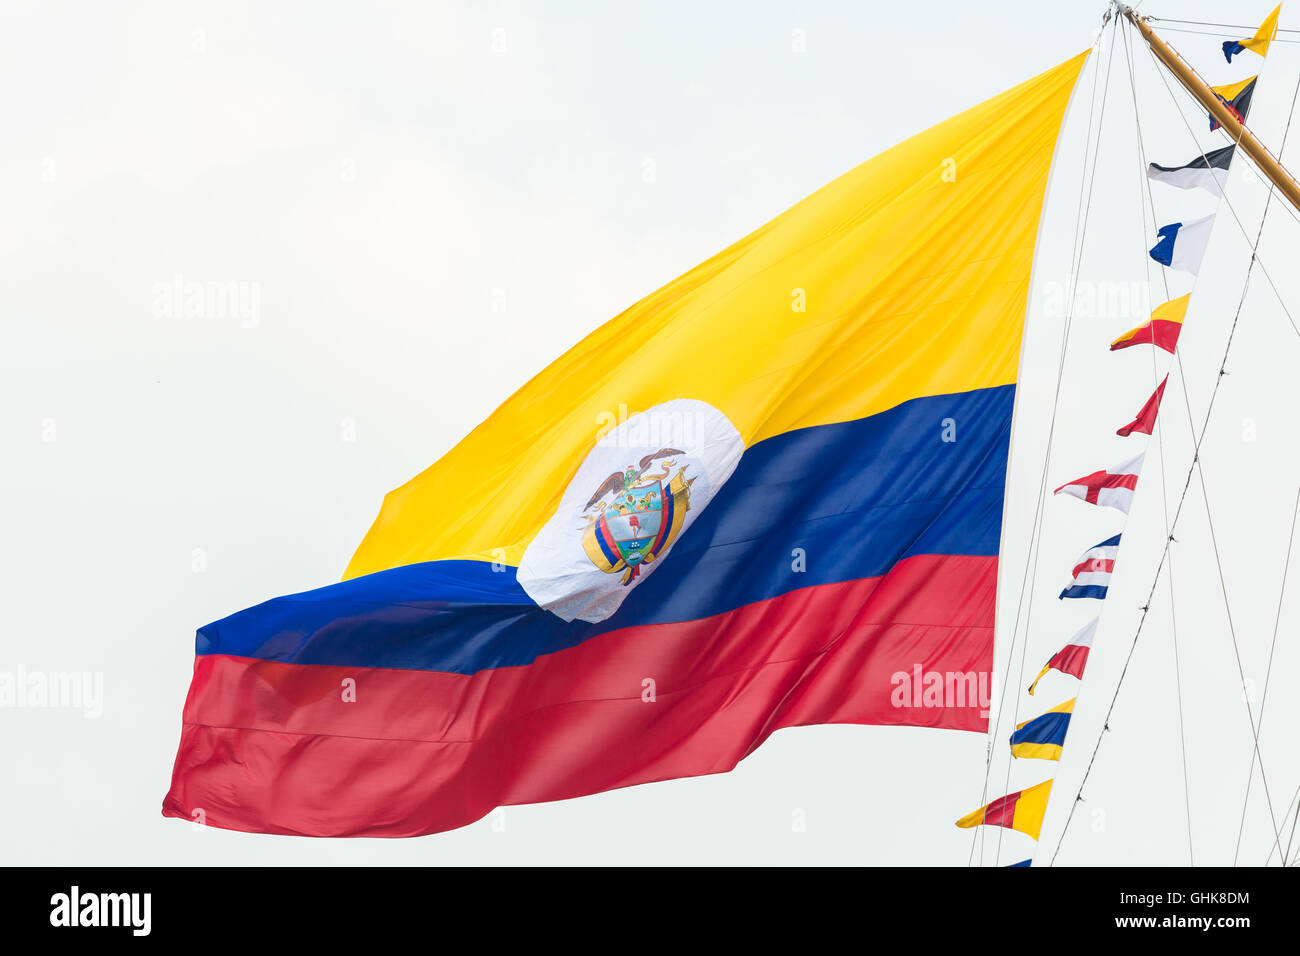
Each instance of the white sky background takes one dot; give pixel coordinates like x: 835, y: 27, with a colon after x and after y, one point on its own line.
x: 427, y: 222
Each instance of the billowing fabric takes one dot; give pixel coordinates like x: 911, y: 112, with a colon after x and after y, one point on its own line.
x: 1208, y: 171
x: 769, y: 494
x: 1145, y: 422
x: 1091, y: 575
x: 1259, y: 42
x: 1023, y: 810
x: 1073, y: 657
x: 1161, y: 330
x: 1043, y: 737
x: 1236, y: 97
x: 1182, y: 245
x: 1112, y: 488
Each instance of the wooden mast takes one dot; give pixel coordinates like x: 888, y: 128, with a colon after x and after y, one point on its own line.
x: 1267, y: 163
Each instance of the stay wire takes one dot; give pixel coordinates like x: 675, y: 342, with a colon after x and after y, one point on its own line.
x: 1204, y: 23
x: 1268, y: 673
x: 1086, y: 183
x: 1295, y: 214
x: 1211, y: 33
x: 1250, y: 776
x: 1254, y: 260
x: 1060, y: 377
x: 1164, y: 556
x: 1160, y: 443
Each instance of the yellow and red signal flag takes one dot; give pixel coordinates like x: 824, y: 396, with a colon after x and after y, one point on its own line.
x: 1023, y: 810
x: 1161, y: 330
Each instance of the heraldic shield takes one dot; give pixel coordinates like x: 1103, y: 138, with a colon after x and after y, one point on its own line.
x: 643, y: 517
x: 635, y: 495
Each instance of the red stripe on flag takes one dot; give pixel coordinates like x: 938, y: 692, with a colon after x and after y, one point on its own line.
x: 1099, y: 480
x: 275, y: 748
x: 1002, y: 811
x: 1159, y: 332
x: 1071, y: 659
x: 1094, y: 564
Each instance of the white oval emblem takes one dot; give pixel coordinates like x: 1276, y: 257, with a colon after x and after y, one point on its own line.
x: 633, y: 496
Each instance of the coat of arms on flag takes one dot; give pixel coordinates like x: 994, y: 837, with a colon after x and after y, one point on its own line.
x: 635, y: 494
x: 642, y: 519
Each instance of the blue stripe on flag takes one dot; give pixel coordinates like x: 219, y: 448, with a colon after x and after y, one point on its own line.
x: 1084, y: 591
x: 1163, y: 250
x: 861, y: 494
x: 1049, y: 728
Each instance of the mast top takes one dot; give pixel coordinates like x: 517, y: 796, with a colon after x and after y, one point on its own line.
x: 1263, y: 158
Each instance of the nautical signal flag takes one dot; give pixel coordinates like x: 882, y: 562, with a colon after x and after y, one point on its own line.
x: 595, y: 588
x: 1091, y: 575
x: 1235, y: 96
x: 1022, y: 810
x: 1073, y: 657
x: 1161, y: 330
x: 1208, y: 171
x: 1043, y: 737
x: 1259, y: 42
x: 1145, y: 422
x: 1181, y: 245
x: 1112, y: 488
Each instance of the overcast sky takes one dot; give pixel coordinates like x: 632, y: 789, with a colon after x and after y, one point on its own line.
x: 420, y: 205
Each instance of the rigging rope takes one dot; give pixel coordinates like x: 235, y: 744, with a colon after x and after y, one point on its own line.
x: 1036, y: 551
x: 1224, y: 198
x: 1211, y: 33
x: 1204, y: 23
x: 1164, y: 557
x: 1250, y: 776
x: 1160, y: 440
x: 1294, y: 821
x: 1268, y: 674
x: 1087, y: 178
x: 1254, y: 260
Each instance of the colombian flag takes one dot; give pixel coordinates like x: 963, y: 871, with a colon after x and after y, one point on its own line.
x: 1023, y: 810
x: 1161, y: 330
x: 801, y: 506
x: 1044, y: 736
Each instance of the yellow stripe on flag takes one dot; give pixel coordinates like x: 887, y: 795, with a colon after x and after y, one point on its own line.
x: 1037, y: 751
x: 1027, y: 813
x: 1046, y: 667
x: 1264, y: 35
x: 1031, y: 808
x: 1175, y: 310
x: 1172, y: 311
x: 1229, y: 91
x: 1065, y: 708
x: 906, y: 277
